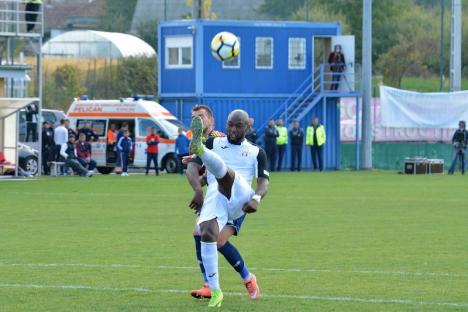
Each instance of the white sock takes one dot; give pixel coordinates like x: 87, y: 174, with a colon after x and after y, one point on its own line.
x: 209, y: 253
x: 214, y: 163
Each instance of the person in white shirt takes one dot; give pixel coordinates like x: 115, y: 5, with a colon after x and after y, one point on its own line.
x: 232, y: 163
x: 68, y: 152
x: 60, y: 137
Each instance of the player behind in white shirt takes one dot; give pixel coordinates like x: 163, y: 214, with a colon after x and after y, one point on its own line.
x: 232, y: 163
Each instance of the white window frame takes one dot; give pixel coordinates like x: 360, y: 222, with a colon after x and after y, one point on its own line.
x: 238, y: 58
x: 178, y: 42
x: 272, y: 52
x: 304, y: 51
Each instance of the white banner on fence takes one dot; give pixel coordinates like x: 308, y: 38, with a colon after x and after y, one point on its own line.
x: 408, y: 109
x: 387, y: 134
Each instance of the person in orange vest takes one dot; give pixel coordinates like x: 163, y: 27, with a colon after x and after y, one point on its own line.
x: 112, y: 135
x: 152, y: 142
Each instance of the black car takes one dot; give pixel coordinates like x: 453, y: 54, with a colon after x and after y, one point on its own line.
x: 28, y: 159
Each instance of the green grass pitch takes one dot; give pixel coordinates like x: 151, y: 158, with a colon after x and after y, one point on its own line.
x: 337, y: 241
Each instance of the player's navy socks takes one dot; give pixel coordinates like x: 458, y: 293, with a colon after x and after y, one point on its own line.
x: 234, y: 258
x: 197, y: 239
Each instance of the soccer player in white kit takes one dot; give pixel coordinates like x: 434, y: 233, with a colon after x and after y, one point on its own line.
x: 232, y: 163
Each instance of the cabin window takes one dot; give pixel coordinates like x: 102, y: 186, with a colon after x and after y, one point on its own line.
x: 145, y: 128
x: 263, y: 53
x: 179, y: 52
x: 98, y: 126
x: 297, y: 53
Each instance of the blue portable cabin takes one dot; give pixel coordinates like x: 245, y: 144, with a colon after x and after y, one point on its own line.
x: 274, y: 75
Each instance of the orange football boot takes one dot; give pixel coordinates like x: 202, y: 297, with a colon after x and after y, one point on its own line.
x: 202, y: 293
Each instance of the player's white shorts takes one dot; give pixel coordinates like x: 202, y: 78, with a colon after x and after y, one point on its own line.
x: 217, y: 206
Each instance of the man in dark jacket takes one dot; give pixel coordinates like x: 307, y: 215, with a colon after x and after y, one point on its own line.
x: 83, y: 152
x: 181, y: 148
x: 32, y: 10
x: 48, y: 147
x: 297, y: 139
x: 337, y: 63
x: 251, y: 134
x: 459, y: 142
x: 31, y: 122
x: 88, y: 132
x: 68, y: 152
x: 271, y: 133
x: 124, y: 147
x: 70, y: 130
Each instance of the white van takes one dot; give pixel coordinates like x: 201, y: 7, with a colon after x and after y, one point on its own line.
x: 141, y: 116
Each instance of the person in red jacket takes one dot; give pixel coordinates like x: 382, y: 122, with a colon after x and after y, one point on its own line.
x: 152, y: 142
x: 83, y: 152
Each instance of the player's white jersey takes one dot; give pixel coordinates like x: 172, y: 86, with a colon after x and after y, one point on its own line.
x: 246, y: 159
x: 241, y: 158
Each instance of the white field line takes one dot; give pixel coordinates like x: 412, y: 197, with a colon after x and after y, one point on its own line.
x: 55, y: 194
x: 287, y: 270
x: 273, y: 296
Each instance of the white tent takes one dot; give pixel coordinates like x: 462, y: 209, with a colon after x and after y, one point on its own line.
x: 96, y: 44
x: 9, y: 126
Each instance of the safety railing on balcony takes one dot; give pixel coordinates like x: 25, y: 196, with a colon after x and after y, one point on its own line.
x: 303, y: 91
x: 321, y: 83
x: 21, y: 18
x: 342, y: 82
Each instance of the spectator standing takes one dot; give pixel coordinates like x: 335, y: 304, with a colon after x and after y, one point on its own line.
x: 181, y: 148
x: 32, y: 11
x: 31, y: 122
x: 281, y: 142
x: 121, y: 131
x: 111, y: 142
x: 48, y: 146
x: 152, y: 141
x: 297, y: 140
x: 337, y: 63
x: 84, y: 152
x: 70, y: 130
x: 271, y: 134
x: 315, y: 138
x: 60, y: 137
x: 68, y: 152
x: 112, y: 135
x: 120, y: 134
x: 459, y: 142
x: 124, y: 147
x: 251, y: 135
x: 88, y: 132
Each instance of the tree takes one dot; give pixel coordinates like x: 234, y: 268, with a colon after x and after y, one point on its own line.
x: 147, y: 32
x: 137, y: 75
x: 62, y: 87
x: 281, y: 9
x: 385, y: 18
x: 119, y: 15
x: 417, y: 45
x: 207, y: 4
x: 320, y: 13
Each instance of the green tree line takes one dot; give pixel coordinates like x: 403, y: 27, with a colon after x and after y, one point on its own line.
x: 116, y: 79
x: 406, y: 33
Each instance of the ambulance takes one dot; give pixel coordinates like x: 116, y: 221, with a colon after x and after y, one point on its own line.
x: 141, y: 115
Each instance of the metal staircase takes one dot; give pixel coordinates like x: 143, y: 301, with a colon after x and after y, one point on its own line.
x: 312, y: 91
x: 301, y: 101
